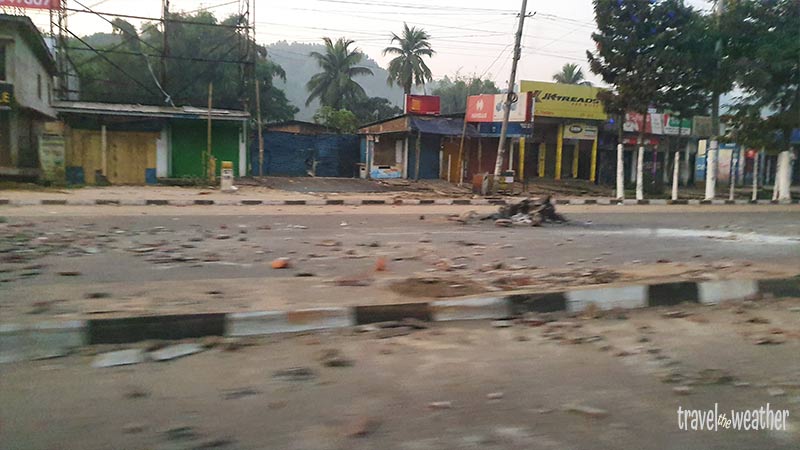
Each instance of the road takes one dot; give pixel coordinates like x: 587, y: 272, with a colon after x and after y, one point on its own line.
x: 219, y: 258
x: 610, y: 382
x: 595, y: 381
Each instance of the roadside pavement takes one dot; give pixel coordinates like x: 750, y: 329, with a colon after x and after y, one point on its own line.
x: 600, y: 381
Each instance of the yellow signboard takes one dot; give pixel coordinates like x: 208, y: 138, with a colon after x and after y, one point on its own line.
x: 568, y: 101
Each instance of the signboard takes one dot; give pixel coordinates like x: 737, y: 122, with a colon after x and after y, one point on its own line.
x: 655, y: 123
x: 6, y: 96
x: 423, y: 105
x: 674, y: 125
x: 652, y: 125
x: 31, y: 4
x: 489, y: 108
x: 633, y: 123
x: 565, y: 100
x: 701, y: 126
x: 51, y: 157
x: 700, y: 160
x: 515, y: 129
x: 580, y: 131
x: 634, y: 140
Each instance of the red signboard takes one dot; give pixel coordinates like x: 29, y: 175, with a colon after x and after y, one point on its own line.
x: 480, y: 108
x: 31, y: 4
x: 489, y: 108
x: 634, y: 140
x: 424, y: 105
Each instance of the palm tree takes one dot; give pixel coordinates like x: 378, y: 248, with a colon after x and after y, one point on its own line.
x: 571, y: 74
x: 408, y: 68
x: 334, y: 86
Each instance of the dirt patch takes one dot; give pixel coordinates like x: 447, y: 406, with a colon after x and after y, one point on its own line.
x: 576, y: 277
x: 436, y: 287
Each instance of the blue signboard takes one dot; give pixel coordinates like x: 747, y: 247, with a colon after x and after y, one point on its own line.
x: 515, y: 129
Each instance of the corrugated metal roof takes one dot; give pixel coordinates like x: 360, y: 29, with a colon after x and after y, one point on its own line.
x: 124, y: 109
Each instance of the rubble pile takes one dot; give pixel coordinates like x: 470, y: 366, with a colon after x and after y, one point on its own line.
x: 526, y: 212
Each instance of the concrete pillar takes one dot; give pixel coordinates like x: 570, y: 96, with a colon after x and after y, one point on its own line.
x: 559, y: 150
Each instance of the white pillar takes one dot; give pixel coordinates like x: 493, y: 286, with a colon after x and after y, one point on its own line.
x: 733, y: 172
x: 686, y: 170
x: 711, y: 169
x: 620, y: 172
x: 640, y: 174
x: 675, y: 169
x: 783, y: 180
x: 754, y: 197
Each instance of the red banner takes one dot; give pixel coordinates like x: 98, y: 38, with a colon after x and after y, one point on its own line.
x: 480, y: 108
x: 489, y: 108
x: 424, y: 105
x: 31, y: 4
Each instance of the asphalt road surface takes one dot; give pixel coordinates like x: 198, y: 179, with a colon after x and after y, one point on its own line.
x: 61, y: 253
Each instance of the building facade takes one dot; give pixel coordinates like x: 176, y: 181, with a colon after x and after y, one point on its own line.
x: 26, y: 75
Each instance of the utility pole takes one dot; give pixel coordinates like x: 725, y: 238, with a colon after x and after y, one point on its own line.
x: 713, y: 141
x: 209, y: 162
x: 501, y: 146
x: 164, y: 42
x: 258, y: 127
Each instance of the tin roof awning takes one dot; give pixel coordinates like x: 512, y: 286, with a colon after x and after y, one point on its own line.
x: 133, y: 110
x: 444, y: 126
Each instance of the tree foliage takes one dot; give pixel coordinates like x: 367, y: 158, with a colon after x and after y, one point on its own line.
x: 373, y: 109
x: 764, y: 52
x: 408, y: 68
x: 334, y: 86
x: 195, y: 54
x: 453, y: 92
x: 571, y: 74
x: 341, y: 120
x: 652, y: 52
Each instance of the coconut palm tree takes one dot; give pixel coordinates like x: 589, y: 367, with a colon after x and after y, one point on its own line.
x: 408, y: 68
x: 334, y: 86
x: 571, y: 74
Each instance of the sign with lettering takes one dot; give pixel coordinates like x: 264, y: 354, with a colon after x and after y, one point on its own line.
x: 580, y: 131
x: 423, y: 105
x: 489, y: 108
x: 6, y: 95
x: 31, y: 4
x: 565, y: 100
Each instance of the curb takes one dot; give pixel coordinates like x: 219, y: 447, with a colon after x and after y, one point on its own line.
x: 370, y: 202
x: 53, y: 339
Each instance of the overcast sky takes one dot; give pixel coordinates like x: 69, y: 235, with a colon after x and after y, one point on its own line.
x: 469, y: 36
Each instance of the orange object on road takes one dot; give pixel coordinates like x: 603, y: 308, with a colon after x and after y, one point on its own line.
x: 380, y: 264
x: 280, y: 263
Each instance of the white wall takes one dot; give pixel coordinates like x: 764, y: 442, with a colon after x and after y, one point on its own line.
x: 162, y: 153
x: 24, y: 69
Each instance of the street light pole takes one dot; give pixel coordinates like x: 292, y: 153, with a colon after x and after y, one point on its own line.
x: 501, y: 146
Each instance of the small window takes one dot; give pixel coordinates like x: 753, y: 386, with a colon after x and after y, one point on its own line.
x: 39, y: 85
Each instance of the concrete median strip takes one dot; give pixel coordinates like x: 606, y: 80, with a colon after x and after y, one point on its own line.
x: 272, y: 322
x: 369, y: 202
x: 40, y: 340
x: 53, y: 339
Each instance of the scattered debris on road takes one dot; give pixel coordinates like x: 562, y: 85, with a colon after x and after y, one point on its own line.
x: 295, y: 374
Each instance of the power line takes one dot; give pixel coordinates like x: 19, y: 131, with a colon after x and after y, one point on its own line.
x: 178, y: 58
x: 142, y: 85
x: 499, y: 55
x: 415, y: 6
x: 186, y: 22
